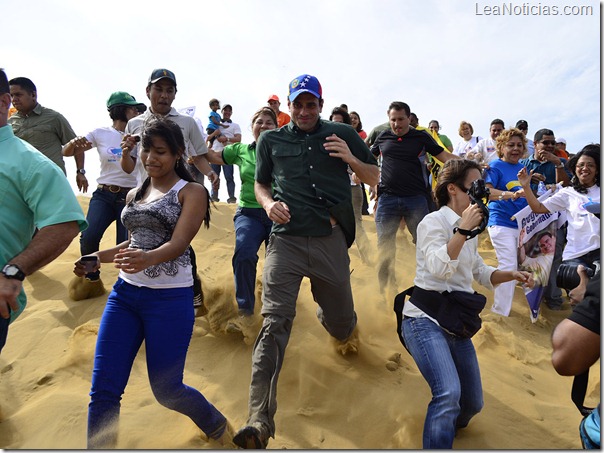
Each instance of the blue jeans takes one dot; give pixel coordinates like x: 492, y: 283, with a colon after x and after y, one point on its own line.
x: 390, y: 210
x: 252, y: 228
x: 164, y: 319
x: 228, y: 175
x: 104, y: 208
x: 449, y: 365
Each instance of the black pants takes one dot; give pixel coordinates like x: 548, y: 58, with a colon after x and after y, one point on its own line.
x: 3, y: 331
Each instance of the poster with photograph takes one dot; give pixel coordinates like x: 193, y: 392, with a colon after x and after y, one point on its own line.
x: 536, y: 248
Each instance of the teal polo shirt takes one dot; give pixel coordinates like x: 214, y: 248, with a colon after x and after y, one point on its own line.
x: 33, y: 193
x: 313, y: 184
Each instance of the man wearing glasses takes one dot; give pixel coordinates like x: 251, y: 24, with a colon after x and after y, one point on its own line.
x: 550, y: 169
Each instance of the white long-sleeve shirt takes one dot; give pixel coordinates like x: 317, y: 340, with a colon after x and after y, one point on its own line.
x: 436, y: 271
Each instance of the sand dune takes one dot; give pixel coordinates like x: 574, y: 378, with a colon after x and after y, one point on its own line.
x: 374, y: 400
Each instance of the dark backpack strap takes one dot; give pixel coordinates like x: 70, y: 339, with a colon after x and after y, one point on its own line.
x: 399, y: 302
x: 578, y: 392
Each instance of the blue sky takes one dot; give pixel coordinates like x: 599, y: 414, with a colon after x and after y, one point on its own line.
x: 443, y: 58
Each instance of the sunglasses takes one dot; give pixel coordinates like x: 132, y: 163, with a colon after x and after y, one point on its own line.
x: 548, y: 142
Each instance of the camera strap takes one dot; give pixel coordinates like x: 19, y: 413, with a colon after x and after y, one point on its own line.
x: 485, y: 216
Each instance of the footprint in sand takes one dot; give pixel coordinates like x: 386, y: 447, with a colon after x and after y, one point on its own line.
x: 46, y: 379
x: 394, y: 362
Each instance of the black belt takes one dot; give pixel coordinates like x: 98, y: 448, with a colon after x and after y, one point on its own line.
x: 114, y: 189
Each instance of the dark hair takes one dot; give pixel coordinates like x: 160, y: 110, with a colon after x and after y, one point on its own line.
x: 118, y: 112
x: 344, y: 106
x: 592, y: 150
x: 540, y: 133
x: 434, y: 121
x: 498, y: 121
x: 213, y: 101
x: 542, y: 234
x: 24, y: 83
x: 360, y: 125
x: 453, y: 172
x: 341, y: 111
x: 169, y: 132
x: 398, y: 105
x: 4, y: 85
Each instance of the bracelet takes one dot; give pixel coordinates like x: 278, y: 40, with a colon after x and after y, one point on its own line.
x: 560, y: 166
x: 502, y: 194
x: 466, y: 233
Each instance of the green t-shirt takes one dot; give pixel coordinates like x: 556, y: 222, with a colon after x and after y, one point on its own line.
x: 445, y: 140
x: 33, y: 193
x: 244, y: 156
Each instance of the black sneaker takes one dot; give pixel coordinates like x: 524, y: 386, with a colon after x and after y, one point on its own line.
x: 249, y: 437
x: 232, y: 200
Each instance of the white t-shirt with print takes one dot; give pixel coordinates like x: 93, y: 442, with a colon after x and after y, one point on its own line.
x: 107, y: 142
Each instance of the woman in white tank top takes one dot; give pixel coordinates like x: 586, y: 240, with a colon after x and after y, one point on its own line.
x: 152, y: 300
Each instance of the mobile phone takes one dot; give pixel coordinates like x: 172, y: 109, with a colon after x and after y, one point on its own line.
x: 89, y: 263
x: 137, y: 138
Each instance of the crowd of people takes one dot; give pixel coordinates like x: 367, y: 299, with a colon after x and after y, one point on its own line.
x: 302, y: 195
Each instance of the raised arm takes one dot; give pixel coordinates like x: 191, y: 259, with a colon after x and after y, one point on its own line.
x: 524, y: 178
x: 366, y: 172
x: 127, y: 161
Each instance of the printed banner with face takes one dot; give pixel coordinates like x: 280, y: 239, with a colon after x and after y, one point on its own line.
x: 536, y: 248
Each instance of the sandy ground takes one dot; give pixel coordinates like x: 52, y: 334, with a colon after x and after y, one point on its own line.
x: 374, y: 400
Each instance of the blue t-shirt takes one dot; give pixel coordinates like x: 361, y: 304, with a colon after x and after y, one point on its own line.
x: 504, y: 176
x: 211, y: 124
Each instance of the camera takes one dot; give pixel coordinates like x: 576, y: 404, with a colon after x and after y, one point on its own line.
x: 568, y: 277
x: 479, y: 194
x: 479, y: 191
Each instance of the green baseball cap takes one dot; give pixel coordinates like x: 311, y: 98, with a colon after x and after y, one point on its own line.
x: 123, y: 98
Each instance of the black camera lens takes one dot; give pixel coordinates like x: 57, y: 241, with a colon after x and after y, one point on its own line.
x: 568, y: 277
